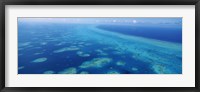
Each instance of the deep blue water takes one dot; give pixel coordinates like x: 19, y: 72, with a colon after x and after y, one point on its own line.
x: 165, y: 32
x: 62, y: 48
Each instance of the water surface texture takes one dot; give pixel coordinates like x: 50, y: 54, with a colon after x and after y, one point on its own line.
x: 99, y: 45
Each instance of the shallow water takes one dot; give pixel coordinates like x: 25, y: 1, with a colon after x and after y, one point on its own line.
x: 60, y: 48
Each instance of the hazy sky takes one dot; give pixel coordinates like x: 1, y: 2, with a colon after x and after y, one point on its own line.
x: 109, y: 20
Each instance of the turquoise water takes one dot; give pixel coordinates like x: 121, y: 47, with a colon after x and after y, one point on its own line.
x: 99, y: 48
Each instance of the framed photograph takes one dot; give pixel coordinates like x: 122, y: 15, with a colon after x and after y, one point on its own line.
x: 100, y: 45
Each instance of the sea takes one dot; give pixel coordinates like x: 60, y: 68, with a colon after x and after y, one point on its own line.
x: 89, y: 48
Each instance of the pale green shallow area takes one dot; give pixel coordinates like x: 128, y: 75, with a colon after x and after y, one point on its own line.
x: 112, y: 72
x: 39, y: 60
x: 66, y: 49
x: 49, y: 72
x: 120, y: 63
x: 70, y: 70
x: 21, y: 67
x: 96, y: 62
